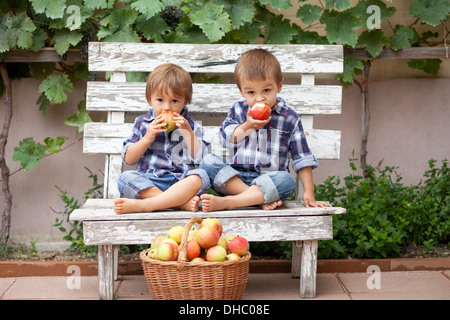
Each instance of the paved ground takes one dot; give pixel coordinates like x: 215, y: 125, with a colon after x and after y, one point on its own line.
x: 406, y: 285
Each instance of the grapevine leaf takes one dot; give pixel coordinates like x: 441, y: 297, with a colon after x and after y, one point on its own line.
x: 352, y: 66
x: 430, y: 66
x: 79, y: 118
x: 309, y: 13
x: 39, y: 38
x: 99, y: 4
x: 403, y: 37
x: 341, y: 26
x: 374, y: 40
x: 360, y: 10
x: 22, y: 28
x: 151, y: 28
x: 117, y: 26
x: 309, y: 37
x: 277, y: 4
x: 340, y: 4
x: 148, y: 7
x: 43, y: 103
x: 430, y: 12
x: 278, y: 31
x: 54, y: 86
x: 240, y: 11
x: 29, y: 153
x: 63, y: 39
x: 212, y: 20
x: 41, y: 70
x: 53, y: 9
x: 53, y: 145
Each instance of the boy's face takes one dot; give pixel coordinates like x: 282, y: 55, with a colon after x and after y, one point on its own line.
x: 260, y: 91
x: 162, y: 101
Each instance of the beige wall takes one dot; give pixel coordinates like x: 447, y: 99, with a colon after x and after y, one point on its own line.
x: 409, y: 126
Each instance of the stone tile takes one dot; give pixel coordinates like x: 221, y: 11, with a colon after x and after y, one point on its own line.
x: 53, y: 288
x: 5, y: 284
x: 132, y: 287
x: 397, y: 285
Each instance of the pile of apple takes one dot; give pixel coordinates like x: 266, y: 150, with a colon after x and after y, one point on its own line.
x: 203, y: 244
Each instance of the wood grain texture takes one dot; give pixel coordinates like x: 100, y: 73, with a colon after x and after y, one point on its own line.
x: 210, y: 58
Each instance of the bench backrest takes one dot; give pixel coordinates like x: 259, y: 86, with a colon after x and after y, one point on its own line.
x: 118, y: 96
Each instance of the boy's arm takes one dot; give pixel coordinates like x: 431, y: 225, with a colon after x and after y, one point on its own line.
x: 247, y: 128
x: 193, y: 143
x: 306, y: 178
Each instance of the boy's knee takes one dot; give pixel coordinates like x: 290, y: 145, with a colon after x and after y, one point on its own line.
x: 211, y: 160
x: 284, y: 183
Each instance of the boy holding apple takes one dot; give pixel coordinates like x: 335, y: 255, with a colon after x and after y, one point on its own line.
x: 258, y: 172
x: 165, y: 176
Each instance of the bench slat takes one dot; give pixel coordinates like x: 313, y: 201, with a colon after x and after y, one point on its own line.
x: 130, y: 96
x: 109, y: 137
x: 214, y: 58
x: 260, y: 229
x: 101, y: 209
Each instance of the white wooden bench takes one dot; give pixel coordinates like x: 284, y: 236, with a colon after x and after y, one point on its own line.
x: 291, y: 222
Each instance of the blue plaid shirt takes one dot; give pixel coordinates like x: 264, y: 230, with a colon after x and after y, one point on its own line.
x: 168, y: 153
x: 268, y: 148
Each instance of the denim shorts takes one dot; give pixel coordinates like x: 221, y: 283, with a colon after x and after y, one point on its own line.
x: 275, y: 185
x: 132, y: 182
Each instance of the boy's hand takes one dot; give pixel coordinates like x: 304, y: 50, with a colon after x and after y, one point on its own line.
x: 181, y: 122
x: 155, y: 127
x: 255, y: 124
x: 310, y: 201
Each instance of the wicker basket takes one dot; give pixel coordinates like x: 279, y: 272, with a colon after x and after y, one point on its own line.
x: 182, y: 280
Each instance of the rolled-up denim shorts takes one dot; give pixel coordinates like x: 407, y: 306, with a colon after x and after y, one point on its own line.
x: 132, y: 182
x: 274, y: 185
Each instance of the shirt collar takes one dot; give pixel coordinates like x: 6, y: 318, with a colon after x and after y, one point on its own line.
x: 281, y: 107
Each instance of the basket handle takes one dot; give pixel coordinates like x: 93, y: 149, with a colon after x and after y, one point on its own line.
x: 182, y: 255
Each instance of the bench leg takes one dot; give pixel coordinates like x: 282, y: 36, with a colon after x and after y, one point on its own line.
x: 105, y: 272
x: 308, y: 269
x: 296, y: 258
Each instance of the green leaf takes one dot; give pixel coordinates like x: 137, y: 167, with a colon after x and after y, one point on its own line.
x: 212, y: 20
x: 23, y: 28
x: 148, y: 7
x: 39, y: 38
x: 43, y: 103
x: 340, y: 4
x: 360, y: 10
x: 52, y: 9
x: 278, y: 31
x: 341, y: 26
x: 79, y: 118
x: 99, y: 4
x: 29, y: 153
x: 53, y: 145
x: 63, y: 39
x: 151, y: 28
x: 309, y: 13
x: 430, y: 66
x: 430, y: 11
x: 352, y: 66
x: 117, y: 27
x: 403, y: 37
x: 240, y: 11
x: 54, y: 86
x: 278, y: 4
x: 374, y: 40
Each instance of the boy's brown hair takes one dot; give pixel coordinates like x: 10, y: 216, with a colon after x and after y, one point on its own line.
x: 169, y: 78
x: 257, y: 64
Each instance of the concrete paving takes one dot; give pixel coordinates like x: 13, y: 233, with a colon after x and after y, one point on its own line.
x: 405, y: 285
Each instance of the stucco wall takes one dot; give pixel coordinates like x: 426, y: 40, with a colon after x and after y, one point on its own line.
x: 409, y: 125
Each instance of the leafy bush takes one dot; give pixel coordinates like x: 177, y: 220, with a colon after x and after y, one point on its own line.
x: 383, y: 214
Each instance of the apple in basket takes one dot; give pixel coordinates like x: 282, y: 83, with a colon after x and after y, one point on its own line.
x: 168, y: 119
x: 175, y: 233
x: 229, y: 237
x: 260, y: 111
x: 214, y: 222
x: 193, y: 250
x: 233, y: 257
x: 216, y: 254
x: 207, y: 237
x: 239, y: 245
x: 167, y: 250
x: 156, y: 241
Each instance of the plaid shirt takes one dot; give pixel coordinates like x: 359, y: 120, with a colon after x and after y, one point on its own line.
x: 267, y: 149
x: 168, y: 153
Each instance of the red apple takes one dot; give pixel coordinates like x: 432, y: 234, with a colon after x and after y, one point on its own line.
x: 192, y: 249
x: 167, y: 252
x: 260, y: 111
x: 216, y: 254
x: 239, y: 245
x: 168, y: 119
x: 212, y: 222
x: 207, y: 237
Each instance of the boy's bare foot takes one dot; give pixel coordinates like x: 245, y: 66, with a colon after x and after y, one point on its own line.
x: 213, y: 203
x: 191, y: 205
x: 125, y: 205
x: 272, y: 205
